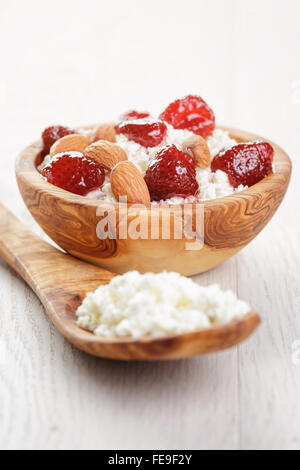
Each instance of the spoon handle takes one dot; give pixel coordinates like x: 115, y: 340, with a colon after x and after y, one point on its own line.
x: 24, y: 251
x: 41, y: 265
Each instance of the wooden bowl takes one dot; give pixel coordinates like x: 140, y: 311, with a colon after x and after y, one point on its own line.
x: 230, y: 223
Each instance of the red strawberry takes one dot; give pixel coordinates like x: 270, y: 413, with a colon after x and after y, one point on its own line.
x: 133, y: 115
x: 191, y: 113
x: 52, y: 134
x: 245, y: 164
x: 75, y: 173
x: 171, y: 173
x: 145, y: 132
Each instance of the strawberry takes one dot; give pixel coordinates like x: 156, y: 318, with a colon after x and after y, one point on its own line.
x: 134, y: 115
x: 191, y: 113
x: 171, y: 173
x: 245, y: 163
x: 74, y: 172
x: 146, y: 132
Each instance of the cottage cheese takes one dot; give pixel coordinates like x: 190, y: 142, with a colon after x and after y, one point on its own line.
x: 141, y: 156
x: 211, y: 185
x: 157, y: 305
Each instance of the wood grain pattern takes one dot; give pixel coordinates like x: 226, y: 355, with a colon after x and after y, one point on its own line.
x: 230, y: 223
x: 52, y: 395
x: 61, y: 282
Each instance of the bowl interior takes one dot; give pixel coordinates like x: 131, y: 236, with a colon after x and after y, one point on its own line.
x: 32, y: 155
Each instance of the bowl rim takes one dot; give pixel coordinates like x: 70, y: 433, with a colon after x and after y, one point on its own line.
x: 26, y: 164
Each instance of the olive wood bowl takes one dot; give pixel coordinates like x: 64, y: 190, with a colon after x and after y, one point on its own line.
x: 229, y: 223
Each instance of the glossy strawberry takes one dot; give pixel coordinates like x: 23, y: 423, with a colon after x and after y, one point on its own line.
x: 52, y: 134
x: 146, y: 132
x: 171, y: 173
x: 191, y: 113
x: 245, y: 164
x: 134, y: 115
x: 75, y: 173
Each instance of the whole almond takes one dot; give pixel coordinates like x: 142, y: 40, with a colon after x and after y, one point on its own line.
x: 126, y: 180
x: 105, y: 153
x: 73, y: 142
x: 105, y: 132
x: 197, y: 148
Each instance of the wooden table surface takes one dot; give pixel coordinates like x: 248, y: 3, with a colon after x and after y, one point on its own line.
x: 74, y: 63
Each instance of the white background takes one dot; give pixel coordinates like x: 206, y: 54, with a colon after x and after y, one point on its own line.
x: 72, y: 62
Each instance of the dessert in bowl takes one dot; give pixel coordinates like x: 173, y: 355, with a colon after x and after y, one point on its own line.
x: 71, y: 179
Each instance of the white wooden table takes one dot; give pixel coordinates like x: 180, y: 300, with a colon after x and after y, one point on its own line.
x: 73, y: 62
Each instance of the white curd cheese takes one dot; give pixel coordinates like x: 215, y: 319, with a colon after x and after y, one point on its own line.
x: 218, y: 141
x: 44, y: 163
x: 211, y: 185
x: 167, y: 303
x: 105, y: 193
x: 136, y: 153
x: 141, y: 156
x: 214, y: 185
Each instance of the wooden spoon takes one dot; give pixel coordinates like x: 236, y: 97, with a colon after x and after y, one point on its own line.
x: 61, y: 282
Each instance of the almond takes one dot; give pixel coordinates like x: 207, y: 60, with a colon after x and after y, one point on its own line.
x: 126, y: 180
x: 73, y: 142
x: 105, y: 153
x: 197, y: 148
x: 105, y: 132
